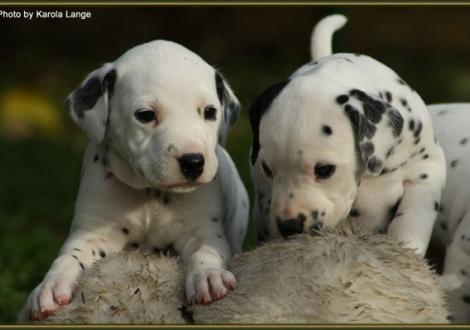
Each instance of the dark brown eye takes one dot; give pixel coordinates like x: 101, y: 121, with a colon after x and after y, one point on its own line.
x: 324, y: 171
x: 267, y: 170
x: 210, y: 113
x: 145, y: 116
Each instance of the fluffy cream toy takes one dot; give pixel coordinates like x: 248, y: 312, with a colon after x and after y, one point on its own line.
x: 340, y: 276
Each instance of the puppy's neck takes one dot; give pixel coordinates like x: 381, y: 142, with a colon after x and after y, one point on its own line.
x: 117, y: 166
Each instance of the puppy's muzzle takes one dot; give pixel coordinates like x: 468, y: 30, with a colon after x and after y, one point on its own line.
x: 191, y: 165
x: 290, y: 227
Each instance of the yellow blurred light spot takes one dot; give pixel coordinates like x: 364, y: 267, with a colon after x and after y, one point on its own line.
x: 26, y: 114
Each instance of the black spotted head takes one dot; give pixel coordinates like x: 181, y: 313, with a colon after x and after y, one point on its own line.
x: 303, y: 149
x: 162, y: 111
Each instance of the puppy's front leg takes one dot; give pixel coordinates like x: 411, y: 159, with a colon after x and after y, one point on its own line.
x: 419, y: 206
x: 205, y: 253
x: 79, y: 252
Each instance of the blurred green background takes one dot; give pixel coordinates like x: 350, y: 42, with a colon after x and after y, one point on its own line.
x: 41, y: 61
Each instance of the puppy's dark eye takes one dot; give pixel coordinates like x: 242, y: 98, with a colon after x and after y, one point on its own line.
x: 210, y: 112
x: 324, y: 171
x: 267, y: 170
x: 145, y: 116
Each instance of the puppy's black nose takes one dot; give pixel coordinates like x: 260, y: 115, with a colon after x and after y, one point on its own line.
x: 191, y: 165
x: 290, y: 227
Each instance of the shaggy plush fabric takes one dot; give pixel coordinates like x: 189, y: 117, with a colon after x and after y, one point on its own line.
x: 340, y: 276
x: 128, y: 288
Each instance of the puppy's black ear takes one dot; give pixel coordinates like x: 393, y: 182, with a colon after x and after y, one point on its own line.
x: 377, y: 127
x: 88, y: 104
x: 258, y: 108
x: 229, y: 104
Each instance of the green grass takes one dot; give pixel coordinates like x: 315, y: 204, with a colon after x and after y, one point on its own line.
x: 38, y: 183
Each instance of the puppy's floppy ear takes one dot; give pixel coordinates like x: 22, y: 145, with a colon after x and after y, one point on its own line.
x: 377, y: 127
x: 229, y: 104
x: 88, y: 104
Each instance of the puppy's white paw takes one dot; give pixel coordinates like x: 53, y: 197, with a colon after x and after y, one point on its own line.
x: 48, y: 296
x: 206, y: 285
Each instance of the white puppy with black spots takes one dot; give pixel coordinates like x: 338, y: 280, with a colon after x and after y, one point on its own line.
x: 154, y: 175
x: 344, y: 137
x: 452, y: 231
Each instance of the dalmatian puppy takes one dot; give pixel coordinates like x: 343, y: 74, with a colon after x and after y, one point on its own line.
x: 154, y: 174
x: 344, y: 137
x: 452, y: 231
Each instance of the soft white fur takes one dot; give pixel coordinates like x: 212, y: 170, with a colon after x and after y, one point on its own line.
x: 452, y: 231
x: 292, y: 143
x: 132, y: 191
x: 344, y: 275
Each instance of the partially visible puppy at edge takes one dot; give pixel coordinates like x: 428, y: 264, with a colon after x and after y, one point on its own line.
x: 451, y: 236
x: 155, y: 175
x: 344, y: 137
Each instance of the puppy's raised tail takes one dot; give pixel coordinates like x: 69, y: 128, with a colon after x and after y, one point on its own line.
x: 322, y: 35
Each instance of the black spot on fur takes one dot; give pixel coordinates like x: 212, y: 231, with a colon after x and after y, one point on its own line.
x: 125, y: 230
x: 442, y: 112
x: 388, y: 96
x: 215, y: 219
x: 463, y: 272
x: 395, y: 122
x: 389, y: 152
x: 81, y: 265
x: 419, y: 127
x: 426, y: 156
x: 93, y: 253
x: 355, y: 213
x: 392, y: 211
x: 76, y: 249
x: 411, y: 125
x: 219, y: 86
x: 342, y: 99
x: 367, y: 149
x: 96, y: 158
x: 135, y: 245
x: 75, y: 257
x: 454, y: 163
x: 327, y: 130
x: 443, y: 226
x: 361, y: 126
x: 102, y: 254
x: 464, y: 141
x: 86, y: 96
x: 423, y: 176
x: 186, y: 314
x: 257, y: 110
x: 436, y: 206
x: 466, y: 299
x: 374, y: 164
